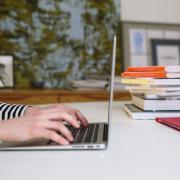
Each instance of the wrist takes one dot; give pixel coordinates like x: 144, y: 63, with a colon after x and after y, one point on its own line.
x: 30, y: 110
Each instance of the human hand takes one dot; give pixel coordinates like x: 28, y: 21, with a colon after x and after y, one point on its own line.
x: 58, y: 108
x: 45, y: 123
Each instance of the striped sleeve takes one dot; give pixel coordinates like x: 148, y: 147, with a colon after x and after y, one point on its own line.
x: 9, y: 111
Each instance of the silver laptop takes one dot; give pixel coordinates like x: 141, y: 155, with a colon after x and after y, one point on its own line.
x: 95, y: 136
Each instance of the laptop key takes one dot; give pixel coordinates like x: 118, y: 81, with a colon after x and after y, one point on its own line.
x: 75, y: 132
x: 71, y: 128
x: 96, y: 133
x: 89, y: 134
x: 80, y: 135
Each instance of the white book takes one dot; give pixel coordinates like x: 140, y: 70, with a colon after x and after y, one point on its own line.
x: 172, y: 68
x: 152, y: 88
x: 165, y: 81
x: 169, y: 94
x: 138, y: 114
x: 152, y: 104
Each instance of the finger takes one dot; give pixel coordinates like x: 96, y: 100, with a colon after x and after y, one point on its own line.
x: 78, y: 115
x: 53, y: 136
x: 81, y: 118
x: 59, y: 116
x: 71, y: 119
x: 65, y: 132
x: 58, y: 126
x: 57, y: 110
x: 73, y: 115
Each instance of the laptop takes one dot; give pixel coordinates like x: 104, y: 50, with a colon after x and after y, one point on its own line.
x: 95, y: 136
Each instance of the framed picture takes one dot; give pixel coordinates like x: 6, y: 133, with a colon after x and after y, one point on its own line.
x: 6, y: 71
x: 165, y: 52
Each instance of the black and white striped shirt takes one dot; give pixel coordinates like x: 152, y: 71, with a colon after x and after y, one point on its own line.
x: 9, y: 111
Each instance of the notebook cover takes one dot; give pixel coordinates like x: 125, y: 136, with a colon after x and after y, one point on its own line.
x: 146, y: 68
x: 173, y: 122
x: 158, y: 74
x: 154, y: 68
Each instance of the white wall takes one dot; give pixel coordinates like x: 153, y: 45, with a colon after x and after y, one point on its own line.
x: 160, y: 11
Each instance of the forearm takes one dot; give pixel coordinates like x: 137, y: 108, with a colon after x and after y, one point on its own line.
x: 10, y: 111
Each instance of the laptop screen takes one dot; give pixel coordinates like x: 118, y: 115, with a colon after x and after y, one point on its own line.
x: 112, y: 80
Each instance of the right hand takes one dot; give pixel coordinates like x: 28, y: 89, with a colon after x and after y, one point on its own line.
x: 44, y: 123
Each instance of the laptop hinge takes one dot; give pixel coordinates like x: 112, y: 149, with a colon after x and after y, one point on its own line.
x: 105, y: 134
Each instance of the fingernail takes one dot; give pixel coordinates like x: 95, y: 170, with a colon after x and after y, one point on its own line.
x: 71, y: 138
x: 66, y: 143
x: 77, y: 125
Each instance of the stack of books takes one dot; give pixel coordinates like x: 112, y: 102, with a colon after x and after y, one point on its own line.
x: 155, y: 91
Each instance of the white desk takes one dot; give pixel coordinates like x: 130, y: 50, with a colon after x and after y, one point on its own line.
x: 138, y: 150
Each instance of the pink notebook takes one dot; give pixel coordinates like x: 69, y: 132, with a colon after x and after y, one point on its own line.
x: 173, y: 122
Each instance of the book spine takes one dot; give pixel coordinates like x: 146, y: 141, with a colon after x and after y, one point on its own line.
x: 146, y: 69
x: 135, y: 81
x: 145, y: 74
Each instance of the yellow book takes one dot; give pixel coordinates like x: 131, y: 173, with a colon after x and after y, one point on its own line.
x: 136, y: 81
x: 151, y: 81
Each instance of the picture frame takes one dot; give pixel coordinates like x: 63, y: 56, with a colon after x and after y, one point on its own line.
x: 165, y: 52
x: 6, y: 71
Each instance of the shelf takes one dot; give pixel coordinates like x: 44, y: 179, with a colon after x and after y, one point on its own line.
x: 57, y: 96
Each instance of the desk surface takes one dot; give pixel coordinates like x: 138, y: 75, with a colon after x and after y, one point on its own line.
x: 138, y: 150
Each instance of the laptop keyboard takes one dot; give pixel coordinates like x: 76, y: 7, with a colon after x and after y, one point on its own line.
x: 83, y: 134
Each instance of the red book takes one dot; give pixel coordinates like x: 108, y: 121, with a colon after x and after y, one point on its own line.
x: 173, y: 122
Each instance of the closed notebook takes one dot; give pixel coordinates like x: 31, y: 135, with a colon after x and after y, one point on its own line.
x: 158, y: 74
x: 173, y: 122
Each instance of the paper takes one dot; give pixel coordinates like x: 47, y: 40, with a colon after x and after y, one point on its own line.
x: 138, y: 41
x: 139, y: 60
x: 155, y: 34
x: 6, y: 71
x: 168, y: 55
x: 172, y: 35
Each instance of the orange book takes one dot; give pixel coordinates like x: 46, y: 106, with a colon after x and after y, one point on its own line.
x: 159, y: 74
x: 154, y: 68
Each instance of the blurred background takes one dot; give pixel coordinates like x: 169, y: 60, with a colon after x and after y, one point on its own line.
x: 55, y: 41
x: 52, y: 43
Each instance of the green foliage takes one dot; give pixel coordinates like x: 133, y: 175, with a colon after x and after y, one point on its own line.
x: 36, y: 36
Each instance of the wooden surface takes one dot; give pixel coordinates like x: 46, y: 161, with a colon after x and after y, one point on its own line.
x: 57, y: 96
